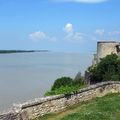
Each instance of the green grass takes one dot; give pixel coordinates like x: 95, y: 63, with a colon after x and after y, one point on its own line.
x: 105, y: 108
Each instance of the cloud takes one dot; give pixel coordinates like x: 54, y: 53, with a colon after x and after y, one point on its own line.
x: 68, y: 28
x: 100, y: 32
x: 71, y: 35
x: 37, y: 36
x: 114, y: 33
x: 81, y: 1
x: 78, y: 36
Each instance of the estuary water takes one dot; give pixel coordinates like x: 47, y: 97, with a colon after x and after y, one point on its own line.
x: 25, y: 76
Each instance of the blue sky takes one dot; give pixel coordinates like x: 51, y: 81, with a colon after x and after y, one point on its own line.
x: 58, y: 25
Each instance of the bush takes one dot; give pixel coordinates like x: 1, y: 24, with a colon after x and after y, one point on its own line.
x: 65, y: 90
x: 66, y: 85
x: 115, y: 77
x: 107, y: 69
x: 62, y: 82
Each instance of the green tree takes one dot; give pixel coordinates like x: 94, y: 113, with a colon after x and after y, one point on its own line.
x: 62, y: 82
x: 107, y: 69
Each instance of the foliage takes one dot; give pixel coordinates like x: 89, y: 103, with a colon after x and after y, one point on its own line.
x: 104, y: 108
x: 66, y: 85
x: 15, y: 51
x: 107, y: 69
x: 64, y: 90
x: 63, y: 81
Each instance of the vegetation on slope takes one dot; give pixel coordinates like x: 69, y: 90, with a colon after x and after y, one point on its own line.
x: 14, y: 51
x: 104, y: 108
x: 108, y: 69
x: 66, y: 85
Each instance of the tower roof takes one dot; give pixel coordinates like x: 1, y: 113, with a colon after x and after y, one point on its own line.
x: 106, y: 42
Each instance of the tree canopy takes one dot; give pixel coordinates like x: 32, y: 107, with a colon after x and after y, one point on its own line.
x: 63, y: 81
x: 107, y: 69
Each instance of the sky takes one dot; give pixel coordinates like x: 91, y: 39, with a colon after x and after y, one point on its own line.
x: 58, y: 25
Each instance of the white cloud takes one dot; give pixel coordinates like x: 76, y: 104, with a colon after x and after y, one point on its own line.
x: 78, y: 36
x: 68, y: 28
x: 37, y: 36
x: 71, y: 35
x: 114, y: 33
x: 100, y: 32
x: 81, y: 1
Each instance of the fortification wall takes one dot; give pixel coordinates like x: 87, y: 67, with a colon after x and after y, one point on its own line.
x: 13, y: 115
x: 42, y: 106
x: 105, y: 48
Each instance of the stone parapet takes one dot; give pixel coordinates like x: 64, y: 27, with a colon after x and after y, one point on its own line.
x: 41, y: 106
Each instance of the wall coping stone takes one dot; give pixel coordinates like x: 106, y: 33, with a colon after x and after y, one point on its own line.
x: 20, y: 111
x: 37, y: 101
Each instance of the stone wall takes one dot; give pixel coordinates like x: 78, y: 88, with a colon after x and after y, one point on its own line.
x: 106, y: 48
x: 13, y: 115
x: 42, y: 106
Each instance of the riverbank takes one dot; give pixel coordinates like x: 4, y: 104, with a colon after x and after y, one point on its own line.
x: 54, y: 104
x: 25, y: 76
x: 21, y: 51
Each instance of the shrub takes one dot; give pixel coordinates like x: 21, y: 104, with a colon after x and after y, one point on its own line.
x: 65, y: 90
x: 66, y: 85
x: 115, y: 77
x: 107, y: 69
x: 62, y: 82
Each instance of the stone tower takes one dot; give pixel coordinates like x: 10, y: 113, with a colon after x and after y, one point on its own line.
x: 105, y: 48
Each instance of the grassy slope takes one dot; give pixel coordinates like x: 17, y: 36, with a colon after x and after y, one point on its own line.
x: 105, y: 108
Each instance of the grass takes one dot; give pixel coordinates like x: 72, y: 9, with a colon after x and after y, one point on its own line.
x: 105, y: 108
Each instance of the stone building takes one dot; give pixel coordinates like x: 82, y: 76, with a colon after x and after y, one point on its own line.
x: 106, y: 48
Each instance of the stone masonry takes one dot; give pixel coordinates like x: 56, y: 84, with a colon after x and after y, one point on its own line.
x: 42, y: 106
x: 105, y: 48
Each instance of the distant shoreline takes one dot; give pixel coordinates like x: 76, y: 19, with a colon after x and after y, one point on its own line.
x: 21, y: 51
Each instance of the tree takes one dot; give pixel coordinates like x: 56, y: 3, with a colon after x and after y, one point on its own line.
x: 107, y: 69
x: 62, y: 82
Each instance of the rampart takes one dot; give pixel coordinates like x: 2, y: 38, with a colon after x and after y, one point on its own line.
x: 42, y: 106
x: 105, y: 48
